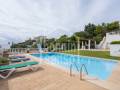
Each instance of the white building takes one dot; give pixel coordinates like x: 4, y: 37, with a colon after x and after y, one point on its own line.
x: 111, y: 36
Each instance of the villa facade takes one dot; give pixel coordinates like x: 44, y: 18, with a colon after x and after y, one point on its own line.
x: 111, y: 36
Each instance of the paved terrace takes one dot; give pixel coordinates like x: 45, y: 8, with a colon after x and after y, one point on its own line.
x: 46, y: 78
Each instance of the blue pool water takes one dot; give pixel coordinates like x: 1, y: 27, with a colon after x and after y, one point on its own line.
x: 96, y: 67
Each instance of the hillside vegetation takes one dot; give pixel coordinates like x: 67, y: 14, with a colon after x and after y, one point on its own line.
x: 91, y: 31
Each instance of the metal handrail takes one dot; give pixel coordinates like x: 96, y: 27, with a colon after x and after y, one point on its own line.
x: 71, y: 68
x: 79, y: 70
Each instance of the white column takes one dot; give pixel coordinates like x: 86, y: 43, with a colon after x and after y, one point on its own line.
x: 85, y: 44
x: 15, y: 50
x: 95, y: 44
x: 62, y: 46
x: 78, y: 46
x: 82, y: 45
x: 56, y: 48
x: 89, y: 44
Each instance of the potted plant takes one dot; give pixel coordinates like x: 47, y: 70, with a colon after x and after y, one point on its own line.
x: 3, y: 61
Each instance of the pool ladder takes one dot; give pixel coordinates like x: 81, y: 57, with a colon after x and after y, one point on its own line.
x: 80, y: 70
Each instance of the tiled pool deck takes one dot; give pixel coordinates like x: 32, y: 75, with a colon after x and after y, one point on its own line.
x: 51, y: 78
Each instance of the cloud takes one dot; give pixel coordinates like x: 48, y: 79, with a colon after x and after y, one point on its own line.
x: 21, y: 19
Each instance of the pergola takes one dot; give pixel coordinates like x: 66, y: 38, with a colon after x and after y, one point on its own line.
x: 85, y: 42
x: 79, y: 44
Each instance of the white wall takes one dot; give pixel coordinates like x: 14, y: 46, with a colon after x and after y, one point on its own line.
x: 112, y: 37
x: 115, y: 50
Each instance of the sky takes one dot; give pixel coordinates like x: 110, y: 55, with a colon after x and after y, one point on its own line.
x: 21, y: 19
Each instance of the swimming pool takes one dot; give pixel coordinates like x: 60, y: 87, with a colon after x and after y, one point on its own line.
x: 96, y: 67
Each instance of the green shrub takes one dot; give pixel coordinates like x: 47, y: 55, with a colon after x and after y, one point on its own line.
x: 4, y: 60
x: 115, y: 42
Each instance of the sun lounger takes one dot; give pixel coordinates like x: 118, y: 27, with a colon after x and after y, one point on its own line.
x: 15, y: 57
x: 19, y: 60
x: 14, y: 67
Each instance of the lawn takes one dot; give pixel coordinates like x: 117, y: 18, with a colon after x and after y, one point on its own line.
x: 99, y: 54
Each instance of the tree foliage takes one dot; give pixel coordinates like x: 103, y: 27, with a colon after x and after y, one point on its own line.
x: 63, y: 39
x: 23, y: 44
x: 91, y: 31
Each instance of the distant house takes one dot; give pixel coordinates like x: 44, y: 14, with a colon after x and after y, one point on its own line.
x: 110, y: 36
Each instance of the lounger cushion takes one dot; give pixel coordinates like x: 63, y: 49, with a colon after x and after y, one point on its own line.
x: 20, y: 65
x: 19, y: 59
x: 16, y: 57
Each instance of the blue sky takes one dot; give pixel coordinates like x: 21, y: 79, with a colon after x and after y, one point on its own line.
x: 21, y: 19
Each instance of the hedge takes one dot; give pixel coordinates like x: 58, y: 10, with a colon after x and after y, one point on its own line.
x: 115, y: 42
x: 3, y: 60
